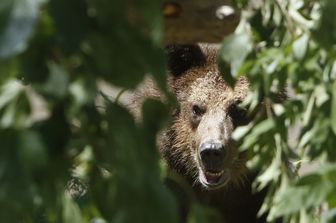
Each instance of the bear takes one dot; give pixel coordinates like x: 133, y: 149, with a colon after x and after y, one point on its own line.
x: 198, y: 144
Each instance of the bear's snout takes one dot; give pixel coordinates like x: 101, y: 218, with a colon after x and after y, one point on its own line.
x: 212, y: 155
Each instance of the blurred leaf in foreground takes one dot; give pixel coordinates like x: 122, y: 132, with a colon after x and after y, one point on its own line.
x: 18, y: 26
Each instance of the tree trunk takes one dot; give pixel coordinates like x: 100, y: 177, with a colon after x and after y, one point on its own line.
x: 191, y: 21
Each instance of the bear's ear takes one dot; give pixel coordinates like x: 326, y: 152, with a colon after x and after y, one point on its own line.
x: 181, y: 58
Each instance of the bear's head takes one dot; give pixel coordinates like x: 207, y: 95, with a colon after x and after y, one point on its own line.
x: 199, y: 143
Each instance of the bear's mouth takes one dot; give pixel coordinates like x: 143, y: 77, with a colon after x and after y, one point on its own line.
x: 213, y: 179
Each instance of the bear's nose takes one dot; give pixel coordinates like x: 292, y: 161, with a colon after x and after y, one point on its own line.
x: 212, y: 155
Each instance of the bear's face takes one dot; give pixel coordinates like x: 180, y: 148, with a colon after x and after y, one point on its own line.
x: 209, y: 112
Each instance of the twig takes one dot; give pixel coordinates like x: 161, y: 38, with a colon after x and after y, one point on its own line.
x: 290, y: 23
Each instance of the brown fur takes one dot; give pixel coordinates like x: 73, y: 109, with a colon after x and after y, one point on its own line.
x: 203, y: 85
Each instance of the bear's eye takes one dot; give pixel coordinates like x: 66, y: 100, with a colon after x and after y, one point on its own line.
x: 198, y: 110
x: 238, y: 114
x: 196, y: 115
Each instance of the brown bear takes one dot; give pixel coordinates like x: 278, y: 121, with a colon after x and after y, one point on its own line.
x: 198, y: 144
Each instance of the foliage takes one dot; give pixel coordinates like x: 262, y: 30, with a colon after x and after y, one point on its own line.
x: 53, y: 136
x: 293, y: 49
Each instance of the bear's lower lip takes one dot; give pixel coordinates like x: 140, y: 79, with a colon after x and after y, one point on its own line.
x: 213, y: 180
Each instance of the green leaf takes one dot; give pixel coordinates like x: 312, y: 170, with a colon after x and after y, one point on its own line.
x: 154, y: 115
x: 325, y: 33
x: 333, y: 108
x: 19, y: 26
x: 9, y: 91
x: 308, y: 113
x: 271, y: 173
x: 71, y: 212
x: 57, y: 84
x: 32, y: 146
x: 5, y: 9
x: 124, y: 52
x: 135, y: 164
x: 240, y: 3
x: 16, y: 113
x: 241, y: 131
x: 300, y: 47
x: 123, y: 64
x: 152, y: 15
x: 71, y: 23
x: 33, y: 62
x: 16, y: 192
x: 309, y: 191
x: 259, y: 129
x: 235, y: 49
